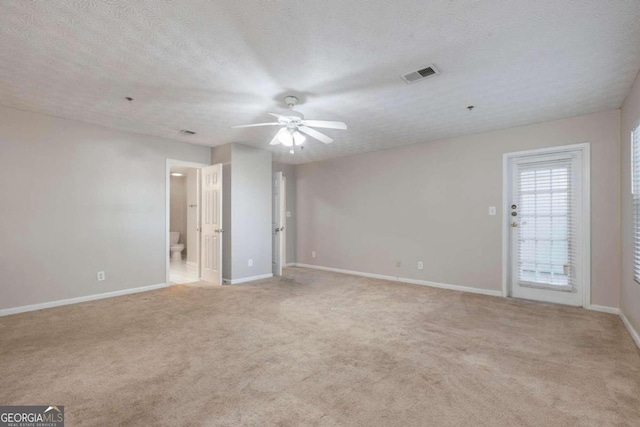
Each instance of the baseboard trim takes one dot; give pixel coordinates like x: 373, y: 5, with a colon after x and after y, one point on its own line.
x: 247, y: 279
x: 405, y: 280
x: 604, y: 309
x: 192, y: 264
x: 290, y: 264
x: 451, y: 287
x: 634, y: 334
x: 51, y: 304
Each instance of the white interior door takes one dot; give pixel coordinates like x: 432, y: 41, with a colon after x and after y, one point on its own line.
x: 277, y: 224
x: 211, y: 240
x: 545, y: 219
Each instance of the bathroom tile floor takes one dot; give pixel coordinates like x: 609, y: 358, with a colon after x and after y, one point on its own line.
x: 180, y: 272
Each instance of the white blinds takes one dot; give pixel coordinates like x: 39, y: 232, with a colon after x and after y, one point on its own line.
x: 546, y: 223
x: 635, y: 189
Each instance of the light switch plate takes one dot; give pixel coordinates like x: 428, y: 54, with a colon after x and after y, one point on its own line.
x: 420, y: 265
x: 250, y: 263
x: 101, y: 276
x: 492, y: 210
x: 313, y: 254
x: 288, y: 214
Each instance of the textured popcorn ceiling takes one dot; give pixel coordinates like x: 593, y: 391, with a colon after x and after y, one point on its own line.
x: 208, y: 65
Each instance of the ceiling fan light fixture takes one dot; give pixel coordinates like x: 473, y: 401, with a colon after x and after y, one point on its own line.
x: 298, y: 138
x: 286, y: 138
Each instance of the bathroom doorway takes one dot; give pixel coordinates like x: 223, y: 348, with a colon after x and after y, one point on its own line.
x: 183, y: 222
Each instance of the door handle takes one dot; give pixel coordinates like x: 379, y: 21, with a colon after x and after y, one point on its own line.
x: 514, y: 224
x: 219, y: 230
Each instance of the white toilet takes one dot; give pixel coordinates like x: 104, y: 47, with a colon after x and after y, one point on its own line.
x: 175, y: 248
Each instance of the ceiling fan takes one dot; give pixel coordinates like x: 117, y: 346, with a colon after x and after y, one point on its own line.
x: 294, y: 125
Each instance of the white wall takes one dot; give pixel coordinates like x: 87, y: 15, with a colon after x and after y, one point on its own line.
x: 246, y: 210
x: 289, y: 172
x: 222, y: 155
x: 250, y: 211
x: 428, y: 202
x: 77, y: 199
x: 630, y: 290
x: 178, y: 208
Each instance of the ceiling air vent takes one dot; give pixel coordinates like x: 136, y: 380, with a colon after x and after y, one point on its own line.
x: 422, y: 74
x: 187, y: 132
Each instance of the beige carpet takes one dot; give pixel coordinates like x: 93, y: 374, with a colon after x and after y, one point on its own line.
x: 321, y: 349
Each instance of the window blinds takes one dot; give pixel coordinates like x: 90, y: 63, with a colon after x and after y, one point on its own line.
x: 546, y: 223
x: 635, y: 190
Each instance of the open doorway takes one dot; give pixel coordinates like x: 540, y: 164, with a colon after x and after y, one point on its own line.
x: 183, y: 222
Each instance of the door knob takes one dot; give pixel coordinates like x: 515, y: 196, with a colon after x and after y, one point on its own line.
x: 514, y: 224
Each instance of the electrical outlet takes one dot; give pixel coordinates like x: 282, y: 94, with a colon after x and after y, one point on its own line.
x: 101, y: 276
x: 398, y: 263
x: 313, y: 254
x: 420, y: 265
x: 492, y: 210
x: 288, y: 214
x: 250, y: 263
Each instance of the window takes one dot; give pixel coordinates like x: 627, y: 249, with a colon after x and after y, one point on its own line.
x: 635, y: 190
x: 546, y: 232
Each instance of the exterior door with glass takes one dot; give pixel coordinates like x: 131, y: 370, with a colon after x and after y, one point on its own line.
x: 546, y: 227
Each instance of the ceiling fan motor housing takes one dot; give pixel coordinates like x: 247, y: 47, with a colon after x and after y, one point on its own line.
x: 291, y: 101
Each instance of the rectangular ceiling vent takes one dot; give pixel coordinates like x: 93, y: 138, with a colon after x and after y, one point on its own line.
x: 416, y: 76
x: 187, y: 132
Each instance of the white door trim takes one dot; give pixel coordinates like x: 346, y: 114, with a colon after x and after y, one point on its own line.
x: 167, y: 201
x: 283, y: 208
x: 585, y: 148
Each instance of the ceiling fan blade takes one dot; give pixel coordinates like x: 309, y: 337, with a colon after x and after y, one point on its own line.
x: 325, y: 124
x: 254, y: 125
x: 278, y: 116
x: 315, y: 134
x: 275, y: 140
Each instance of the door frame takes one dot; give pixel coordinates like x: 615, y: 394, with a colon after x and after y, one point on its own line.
x: 167, y: 200
x: 283, y: 208
x: 507, y: 158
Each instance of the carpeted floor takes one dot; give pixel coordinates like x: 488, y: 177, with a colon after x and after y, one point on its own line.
x: 321, y: 349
